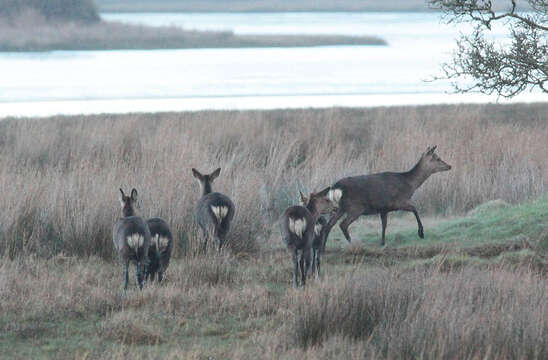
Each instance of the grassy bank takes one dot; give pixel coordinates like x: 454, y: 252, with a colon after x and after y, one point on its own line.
x: 59, y: 177
x: 31, y: 31
x: 269, y: 6
x: 368, y: 304
x: 259, y: 5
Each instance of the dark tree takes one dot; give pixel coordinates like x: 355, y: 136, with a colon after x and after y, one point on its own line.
x: 495, y: 68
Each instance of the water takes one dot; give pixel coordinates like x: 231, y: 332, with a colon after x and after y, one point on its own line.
x: 72, y: 82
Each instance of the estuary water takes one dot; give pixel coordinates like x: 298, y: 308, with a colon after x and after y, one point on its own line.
x: 74, y: 82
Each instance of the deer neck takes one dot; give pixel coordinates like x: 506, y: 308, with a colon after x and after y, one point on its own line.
x: 126, y: 212
x: 206, y: 188
x: 313, y: 210
x: 417, y: 175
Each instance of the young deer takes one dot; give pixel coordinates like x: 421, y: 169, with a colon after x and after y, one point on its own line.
x: 131, y: 238
x: 380, y: 194
x: 319, y: 224
x: 160, y: 248
x: 214, y: 210
x: 297, y: 228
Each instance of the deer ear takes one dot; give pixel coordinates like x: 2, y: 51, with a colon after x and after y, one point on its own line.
x: 433, y: 148
x: 214, y: 174
x: 121, y: 196
x: 303, y: 198
x: 134, y: 194
x: 196, y: 174
x: 323, y: 192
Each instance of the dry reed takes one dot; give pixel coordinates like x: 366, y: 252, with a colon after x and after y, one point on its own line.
x: 59, y: 177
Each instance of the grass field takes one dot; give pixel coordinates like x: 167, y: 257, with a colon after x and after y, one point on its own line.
x: 475, y: 287
x: 465, y: 295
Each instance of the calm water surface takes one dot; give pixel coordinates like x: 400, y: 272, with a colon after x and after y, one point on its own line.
x: 164, y: 80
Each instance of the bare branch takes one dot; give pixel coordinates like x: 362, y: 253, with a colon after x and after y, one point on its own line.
x: 485, y: 66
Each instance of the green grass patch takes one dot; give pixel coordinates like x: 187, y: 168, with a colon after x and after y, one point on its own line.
x: 490, y: 223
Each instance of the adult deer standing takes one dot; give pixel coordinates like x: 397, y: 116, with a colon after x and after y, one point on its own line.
x: 214, y: 210
x: 161, y: 245
x: 297, y: 227
x: 131, y: 237
x: 380, y: 194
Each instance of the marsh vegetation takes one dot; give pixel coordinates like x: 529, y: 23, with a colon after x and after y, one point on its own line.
x: 474, y: 287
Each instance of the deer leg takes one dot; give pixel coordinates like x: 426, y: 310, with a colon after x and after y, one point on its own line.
x: 205, y: 236
x: 313, y: 265
x: 138, y: 278
x: 160, y: 276
x: 126, y: 278
x: 295, y: 267
x: 384, y: 218
x: 412, y: 209
x: 349, y: 219
x: 301, y: 268
x: 316, y: 262
x: 307, y: 257
x: 327, y: 228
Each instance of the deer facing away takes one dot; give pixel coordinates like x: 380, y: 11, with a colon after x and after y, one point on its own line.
x: 161, y: 245
x: 297, y: 228
x: 131, y: 237
x: 214, y: 211
x: 319, y: 224
x: 380, y: 193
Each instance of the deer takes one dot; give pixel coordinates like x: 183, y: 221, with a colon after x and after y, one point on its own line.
x: 214, y: 211
x: 319, y: 224
x: 297, y: 225
x: 131, y: 237
x: 159, y: 252
x: 380, y: 193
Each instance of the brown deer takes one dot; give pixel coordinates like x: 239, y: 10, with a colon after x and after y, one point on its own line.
x: 319, y: 224
x: 161, y: 245
x: 214, y: 211
x: 297, y: 228
x: 131, y: 237
x: 380, y: 194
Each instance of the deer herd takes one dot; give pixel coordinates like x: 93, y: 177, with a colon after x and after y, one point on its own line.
x: 304, y: 228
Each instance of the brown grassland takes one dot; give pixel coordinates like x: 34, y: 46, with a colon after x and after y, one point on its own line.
x: 476, y: 287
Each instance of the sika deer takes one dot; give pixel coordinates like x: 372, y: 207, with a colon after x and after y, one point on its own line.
x: 297, y: 227
x: 214, y: 210
x: 380, y: 194
x: 316, y: 242
x: 160, y: 248
x: 131, y: 238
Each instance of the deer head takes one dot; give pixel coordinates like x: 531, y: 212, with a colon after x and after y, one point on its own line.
x: 431, y: 162
x: 128, y: 202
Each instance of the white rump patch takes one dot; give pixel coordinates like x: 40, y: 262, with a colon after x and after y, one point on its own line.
x: 220, y: 212
x: 135, y: 241
x: 161, y: 242
x: 335, y: 195
x: 297, y: 226
x: 317, y: 229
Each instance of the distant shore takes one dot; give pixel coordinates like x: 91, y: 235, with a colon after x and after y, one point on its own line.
x: 260, y: 5
x: 106, y: 35
x: 271, y: 6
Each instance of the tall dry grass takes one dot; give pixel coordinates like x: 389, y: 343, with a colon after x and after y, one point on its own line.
x: 492, y: 312
x: 468, y: 314
x: 59, y: 177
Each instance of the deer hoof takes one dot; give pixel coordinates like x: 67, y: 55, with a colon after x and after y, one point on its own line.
x: 421, y: 233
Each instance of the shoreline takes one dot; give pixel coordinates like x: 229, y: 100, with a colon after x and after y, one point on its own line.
x: 43, y: 109
x: 111, y: 35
